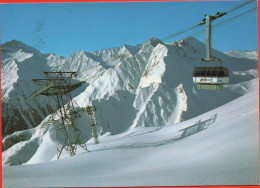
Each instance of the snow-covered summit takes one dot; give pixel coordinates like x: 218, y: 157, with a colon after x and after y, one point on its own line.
x: 243, y: 54
x: 14, y: 45
x: 153, y: 42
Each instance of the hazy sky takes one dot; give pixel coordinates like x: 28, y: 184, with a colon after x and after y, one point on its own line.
x: 64, y: 28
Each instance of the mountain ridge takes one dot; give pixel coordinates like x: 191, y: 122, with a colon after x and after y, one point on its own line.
x: 152, y: 86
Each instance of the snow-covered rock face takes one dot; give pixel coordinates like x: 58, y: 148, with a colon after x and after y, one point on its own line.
x: 19, y: 65
x: 131, y: 86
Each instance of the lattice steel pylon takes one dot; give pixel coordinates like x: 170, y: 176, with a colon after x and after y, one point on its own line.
x: 90, y: 110
x: 58, y: 85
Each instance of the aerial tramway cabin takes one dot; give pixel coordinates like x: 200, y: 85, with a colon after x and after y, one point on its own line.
x: 210, y: 77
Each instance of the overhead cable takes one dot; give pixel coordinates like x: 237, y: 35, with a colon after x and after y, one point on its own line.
x: 237, y: 16
x: 156, y: 23
x: 230, y: 20
x: 175, y: 34
x: 195, y: 26
x: 240, y: 6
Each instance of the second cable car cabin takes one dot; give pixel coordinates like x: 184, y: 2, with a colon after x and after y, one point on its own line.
x: 210, y: 77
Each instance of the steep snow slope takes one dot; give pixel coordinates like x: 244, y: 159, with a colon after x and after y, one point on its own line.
x: 220, y: 147
x: 147, y: 85
x: 19, y: 64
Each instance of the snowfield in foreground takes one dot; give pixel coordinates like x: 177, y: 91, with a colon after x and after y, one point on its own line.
x: 219, y: 147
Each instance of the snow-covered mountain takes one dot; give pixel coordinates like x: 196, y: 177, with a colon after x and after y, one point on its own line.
x: 243, y: 54
x: 148, y: 85
x: 219, y: 147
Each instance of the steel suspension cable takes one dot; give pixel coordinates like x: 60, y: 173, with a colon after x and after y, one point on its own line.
x: 195, y: 26
x: 237, y: 16
x: 240, y: 6
x: 181, y: 32
x: 156, y: 23
x: 230, y: 20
